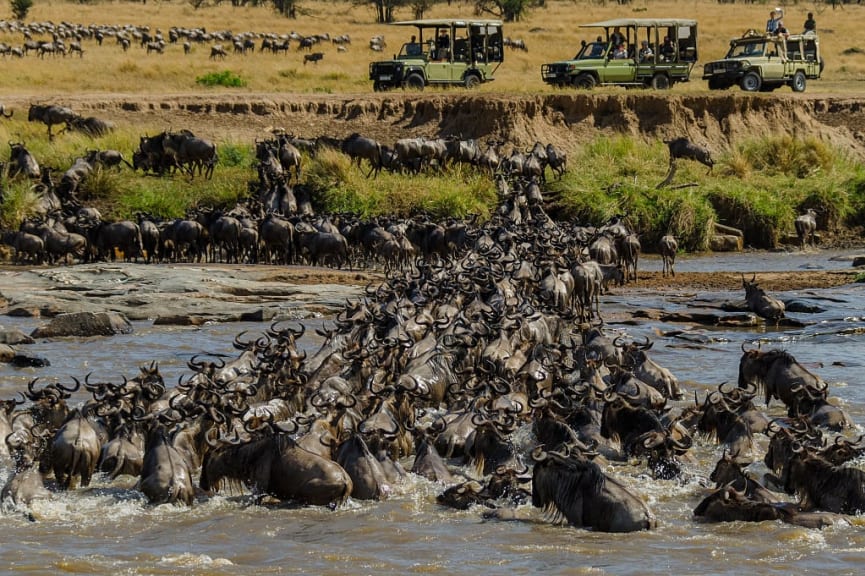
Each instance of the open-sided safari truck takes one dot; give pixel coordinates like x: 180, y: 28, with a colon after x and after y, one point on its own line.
x: 656, y: 52
x: 764, y: 62
x: 443, y: 51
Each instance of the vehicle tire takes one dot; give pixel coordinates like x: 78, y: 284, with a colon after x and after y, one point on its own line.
x: 472, y: 81
x: 799, y: 81
x: 414, y: 82
x: 717, y: 84
x: 751, y: 82
x: 585, y: 81
x: 377, y: 87
x: 661, y: 82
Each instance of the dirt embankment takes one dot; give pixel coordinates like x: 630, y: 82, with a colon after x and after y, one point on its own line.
x: 566, y: 119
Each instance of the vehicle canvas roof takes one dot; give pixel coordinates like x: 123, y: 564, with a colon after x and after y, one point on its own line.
x: 431, y: 22
x: 647, y: 22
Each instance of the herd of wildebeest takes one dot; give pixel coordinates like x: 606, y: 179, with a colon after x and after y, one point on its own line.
x: 66, y: 38
x: 477, y: 332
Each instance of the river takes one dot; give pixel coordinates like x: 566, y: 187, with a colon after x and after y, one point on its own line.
x: 109, y: 528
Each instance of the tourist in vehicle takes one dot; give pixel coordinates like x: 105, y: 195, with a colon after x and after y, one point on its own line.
x: 413, y: 48
x: 617, y: 37
x: 646, y: 53
x: 772, y: 24
x: 443, y: 45
x: 668, y: 50
x: 781, y: 30
x: 597, y: 49
x: 810, y: 23
x: 620, y: 52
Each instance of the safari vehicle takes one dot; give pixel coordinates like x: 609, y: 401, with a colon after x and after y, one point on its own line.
x: 765, y: 62
x: 615, y: 56
x: 445, y: 52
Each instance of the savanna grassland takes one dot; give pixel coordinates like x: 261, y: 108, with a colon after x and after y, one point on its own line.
x: 776, y: 154
x: 550, y: 33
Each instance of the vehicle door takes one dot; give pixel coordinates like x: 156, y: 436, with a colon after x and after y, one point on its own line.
x: 811, y: 55
x: 618, y: 70
x: 461, y: 55
x: 775, y: 67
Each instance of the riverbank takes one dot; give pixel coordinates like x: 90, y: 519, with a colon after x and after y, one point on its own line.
x: 192, y: 294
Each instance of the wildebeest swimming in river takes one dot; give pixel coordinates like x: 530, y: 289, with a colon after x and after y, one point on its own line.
x: 760, y: 303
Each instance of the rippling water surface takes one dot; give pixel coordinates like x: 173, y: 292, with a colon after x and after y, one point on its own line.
x: 109, y: 528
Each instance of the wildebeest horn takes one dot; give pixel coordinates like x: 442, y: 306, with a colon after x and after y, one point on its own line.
x: 538, y: 454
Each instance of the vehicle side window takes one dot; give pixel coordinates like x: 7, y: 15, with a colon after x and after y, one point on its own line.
x: 810, y: 50
x: 461, y: 50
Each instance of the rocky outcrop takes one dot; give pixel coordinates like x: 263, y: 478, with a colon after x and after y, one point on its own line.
x: 84, y: 324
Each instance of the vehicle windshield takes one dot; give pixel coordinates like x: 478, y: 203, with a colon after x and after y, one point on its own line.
x: 591, y: 51
x: 747, y: 49
x: 414, y: 50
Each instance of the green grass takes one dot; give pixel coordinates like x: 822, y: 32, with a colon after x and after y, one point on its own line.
x: 760, y: 186
x: 225, y: 78
x: 345, y: 188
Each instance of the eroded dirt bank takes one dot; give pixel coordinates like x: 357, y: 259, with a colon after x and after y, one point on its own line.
x: 567, y: 118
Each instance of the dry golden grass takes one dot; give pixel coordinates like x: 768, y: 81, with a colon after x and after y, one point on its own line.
x: 551, y: 33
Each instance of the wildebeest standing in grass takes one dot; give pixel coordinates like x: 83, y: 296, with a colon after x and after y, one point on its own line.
x: 684, y: 148
x: 359, y: 147
x: 21, y: 161
x: 191, y: 152
x: 50, y: 115
x: 90, y: 125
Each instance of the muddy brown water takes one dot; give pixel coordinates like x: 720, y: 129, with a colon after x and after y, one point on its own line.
x: 109, y: 528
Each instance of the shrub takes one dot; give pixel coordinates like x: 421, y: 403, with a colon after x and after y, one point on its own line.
x: 225, y: 78
x: 20, y: 8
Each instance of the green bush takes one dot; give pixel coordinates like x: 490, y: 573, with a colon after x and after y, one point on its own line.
x: 20, y: 8
x: 225, y: 78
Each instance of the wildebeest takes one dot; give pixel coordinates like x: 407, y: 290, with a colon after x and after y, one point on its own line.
x: 90, y: 125
x: 218, y: 51
x: 21, y: 161
x: 28, y: 247
x: 107, y: 158
x: 780, y: 375
x: 822, y: 486
x: 761, y: 303
x: 275, y: 465
x: 668, y: 248
x: 314, y: 57
x: 806, y: 226
x: 50, y: 115
x: 575, y: 488
x: 191, y: 152
x: 4, y: 112
x: 166, y: 475
x: 727, y: 504
x: 684, y: 148
x: 359, y: 147
x: 123, y: 236
x: 75, y: 450
x: 629, y: 248
x: 556, y: 160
